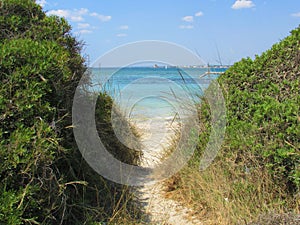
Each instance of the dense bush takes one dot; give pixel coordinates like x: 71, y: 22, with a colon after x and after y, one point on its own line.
x: 263, y: 102
x: 44, y: 179
x: 256, y: 174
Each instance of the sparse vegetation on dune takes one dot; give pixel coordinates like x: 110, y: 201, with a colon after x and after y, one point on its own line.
x: 257, y: 170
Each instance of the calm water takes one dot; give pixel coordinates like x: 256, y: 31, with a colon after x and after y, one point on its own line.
x: 152, y: 92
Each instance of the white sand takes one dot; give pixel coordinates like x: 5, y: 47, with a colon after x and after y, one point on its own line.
x: 156, y: 136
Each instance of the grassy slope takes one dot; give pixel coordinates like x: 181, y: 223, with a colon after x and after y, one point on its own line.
x: 257, y: 170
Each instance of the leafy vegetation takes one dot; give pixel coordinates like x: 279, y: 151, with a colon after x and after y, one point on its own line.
x: 263, y: 98
x: 257, y: 170
x: 44, y: 179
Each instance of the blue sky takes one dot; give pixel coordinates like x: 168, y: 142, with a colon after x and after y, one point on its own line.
x: 236, y: 29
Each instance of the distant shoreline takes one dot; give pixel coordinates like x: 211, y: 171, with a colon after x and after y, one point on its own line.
x: 168, y: 67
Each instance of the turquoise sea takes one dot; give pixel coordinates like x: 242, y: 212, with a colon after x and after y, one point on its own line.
x: 152, y: 92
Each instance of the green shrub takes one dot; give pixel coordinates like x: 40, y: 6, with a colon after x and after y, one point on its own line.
x: 255, y: 176
x: 44, y: 179
x: 263, y: 100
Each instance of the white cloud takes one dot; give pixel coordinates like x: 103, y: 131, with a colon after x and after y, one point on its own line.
x: 59, y: 12
x: 296, y: 14
x: 41, y: 2
x: 186, y: 27
x: 188, y: 19
x: 76, y: 18
x: 124, y: 27
x: 241, y: 4
x: 85, y: 28
x: 101, y: 17
x: 199, y: 14
x: 84, y: 31
x: 73, y: 15
x: 83, y: 25
x: 77, y: 15
x: 121, y: 35
x: 82, y: 11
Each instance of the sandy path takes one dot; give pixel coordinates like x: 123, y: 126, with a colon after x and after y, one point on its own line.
x: 156, y: 136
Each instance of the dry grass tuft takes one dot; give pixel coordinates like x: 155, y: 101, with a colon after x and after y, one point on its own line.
x: 230, y: 193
